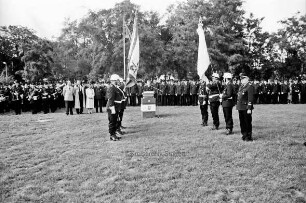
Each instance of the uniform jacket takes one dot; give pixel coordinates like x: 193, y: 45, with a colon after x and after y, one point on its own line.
x: 172, y: 89
x: 245, y: 97
x: 194, y: 89
x: 214, y: 90
x: 178, y: 89
x: 284, y: 88
x: 114, y: 98
x: 227, y: 96
x: 203, y: 95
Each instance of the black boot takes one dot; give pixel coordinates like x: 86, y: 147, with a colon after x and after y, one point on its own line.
x: 249, y: 137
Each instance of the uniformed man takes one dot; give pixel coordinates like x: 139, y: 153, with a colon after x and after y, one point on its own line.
x: 295, y: 91
x: 34, y: 99
x: 194, y: 93
x: 139, y: 92
x: 203, y: 102
x: 303, y: 91
x: 121, y: 87
x: 227, y: 102
x: 113, y: 106
x: 215, y: 90
x: 284, y: 90
x: 17, y: 96
x: 45, y: 99
x: 178, y: 93
x: 245, y: 107
x: 171, y: 93
x: 2, y: 98
x: 275, y: 92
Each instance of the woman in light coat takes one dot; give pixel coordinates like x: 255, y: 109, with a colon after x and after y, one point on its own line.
x: 90, y: 102
x: 79, y: 102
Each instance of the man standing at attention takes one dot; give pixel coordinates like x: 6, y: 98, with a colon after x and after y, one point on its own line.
x: 245, y: 107
x: 227, y: 102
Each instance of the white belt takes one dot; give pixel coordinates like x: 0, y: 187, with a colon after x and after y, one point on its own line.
x: 202, y: 95
x: 119, y: 102
x: 214, y: 95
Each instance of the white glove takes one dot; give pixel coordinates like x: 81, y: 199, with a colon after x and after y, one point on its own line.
x: 112, y: 108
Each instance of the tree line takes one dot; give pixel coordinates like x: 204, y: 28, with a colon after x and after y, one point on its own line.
x: 91, y: 47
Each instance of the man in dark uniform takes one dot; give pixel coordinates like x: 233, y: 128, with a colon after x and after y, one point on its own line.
x: 186, y: 93
x: 164, y: 93
x: 245, y: 107
x: 194, y: 93
x: 284, y: 90
x: 113, y: 106
x: 295, y: 91
x: 236, y: 88
x: 121, y: 87
x: 45, y: 99
x: 2, y: 98
x: 178, y: 93
x: 139, y: 92
x: 227, y: 102
x: 133, y: 92
x: 99, y: 91
x: 256, y: 91
x: 34, y: 99
x: 17, y: 95
x: 53, y: 98
x: 171, y: 93
x: 275, y: 92
x: 203, y: 101
x: 303, y: 91
x: 215, y: 90
x: 269, y: 89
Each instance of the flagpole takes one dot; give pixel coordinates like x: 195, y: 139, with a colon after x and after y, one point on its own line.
x: 123, y: 49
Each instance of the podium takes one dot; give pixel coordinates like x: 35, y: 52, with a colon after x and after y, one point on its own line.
x: 148, y: 104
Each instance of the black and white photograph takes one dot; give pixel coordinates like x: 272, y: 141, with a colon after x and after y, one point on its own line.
x: 146, y: 101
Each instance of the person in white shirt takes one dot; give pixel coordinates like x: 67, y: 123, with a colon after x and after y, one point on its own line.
x: 68, y: 92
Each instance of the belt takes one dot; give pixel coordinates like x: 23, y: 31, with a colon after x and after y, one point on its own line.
x: 202, y: 95
x: 119, y: 102
x: 214, y: 95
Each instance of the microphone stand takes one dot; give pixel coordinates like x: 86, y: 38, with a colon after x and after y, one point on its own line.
x: 157, y: 110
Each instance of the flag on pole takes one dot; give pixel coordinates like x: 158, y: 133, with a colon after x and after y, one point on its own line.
x: 133, y: 57
x: 127, y: 32
x: 203, y: 57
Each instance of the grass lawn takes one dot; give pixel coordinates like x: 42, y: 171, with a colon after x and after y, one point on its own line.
x: 59, y: 158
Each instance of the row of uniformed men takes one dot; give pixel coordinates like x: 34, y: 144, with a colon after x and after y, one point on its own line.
x: 215, y: 95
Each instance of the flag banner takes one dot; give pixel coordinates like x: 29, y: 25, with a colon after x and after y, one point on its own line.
x: 133, y: 57
x: 203, y: 57
x: 127, y: 32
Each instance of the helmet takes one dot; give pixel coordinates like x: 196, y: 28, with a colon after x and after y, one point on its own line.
x: 114, y: 77
x: 215, y: 75
x: 227, y: 75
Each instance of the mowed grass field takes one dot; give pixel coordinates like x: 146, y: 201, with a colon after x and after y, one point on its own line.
x: 59, y: 158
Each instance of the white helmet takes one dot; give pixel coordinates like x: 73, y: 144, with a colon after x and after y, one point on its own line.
x: 114, y: 77
x: 227, y: 75
x: 215, y: 75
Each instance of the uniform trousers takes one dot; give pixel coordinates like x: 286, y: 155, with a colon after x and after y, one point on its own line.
x: 112, y: 122
x: 204, y: 113
x: 245, y: 120
x: 214, y: 109
x: 228, y: 116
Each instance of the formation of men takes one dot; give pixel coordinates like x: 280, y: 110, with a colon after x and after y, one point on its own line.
x: 48, y: 98
x: 185, y: 92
